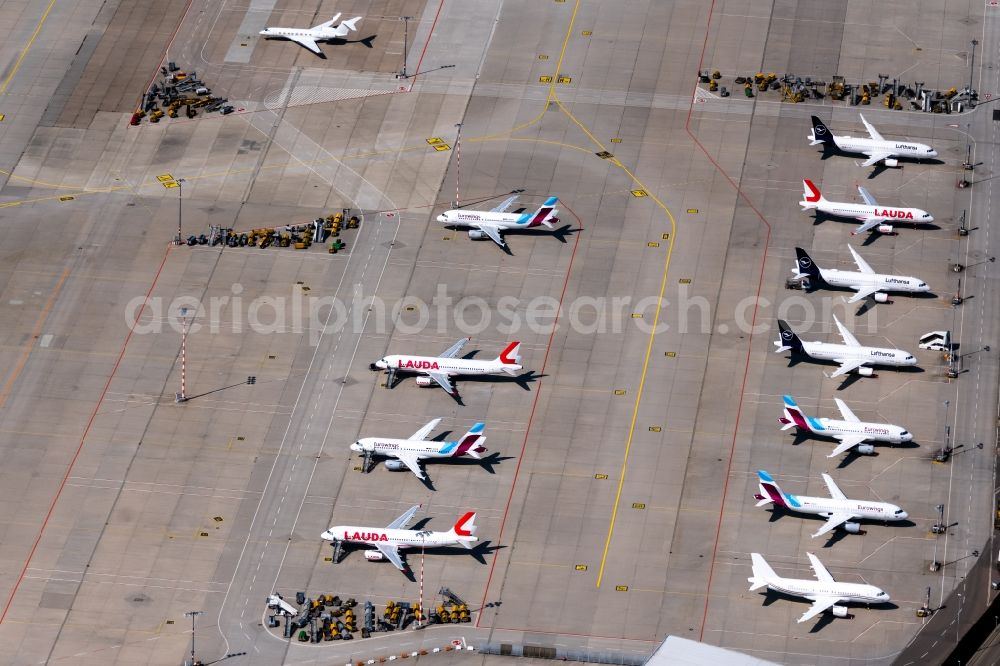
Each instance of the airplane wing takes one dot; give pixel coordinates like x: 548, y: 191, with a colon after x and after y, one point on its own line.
x: 400, y: 523
x: 411, y: 460
x: 846, y: 444
x: 867, y: 224
x: 818, y: 606
x: 833, y: 522
x: 848, y: 338
x: 426, y: 430
x: 845, y: 411
x: 872, y: 132
x: 307, y: 42
x: 862, y: 264
x: 329, y: 23
x: 835, y: 492
x: 442, y: 380
x: 453, y: 351
x: 867, y: 196
x: 493, y: 233
x: 504, y: 205
x: 846, y: 365
x: 875, y: 156
x: 863, y: 293
x: 822, y: 574
x: 391, y: 553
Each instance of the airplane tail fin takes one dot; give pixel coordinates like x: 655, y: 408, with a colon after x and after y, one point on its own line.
x: 464, y: 530
x: 821, y: 134
x: 793, y: 415
x: 770, y: 492
x: 352, y: 24
x: 787, y: 338
x: 762, y: 572
x: 471, y: 443
x: 811, y: 196
x: 510, y: 358
x: 805, y: 266
x: 546, y: 213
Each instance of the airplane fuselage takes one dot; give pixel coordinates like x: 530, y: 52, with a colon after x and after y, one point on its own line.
x: 448, y: 366
x: 862, y: 510
x: 861, y: 146
x: 878, y: 432
x: 393, y: 447
x: 474, y: 218
x: 881, y: 282
x: 399, y: 538
x: 810, y: 589
x: 828, y: 351
x: 864, y: 212
x: 317, y: 35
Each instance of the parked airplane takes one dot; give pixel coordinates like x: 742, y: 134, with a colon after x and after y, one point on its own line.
x: 389, y: 541
x: 408, y: 453
x: 308, y: 37
x: 850, y: 432
x: 865, y: 281
x: 876, y: 148
x: 491, y: 224
x: 837, y: 509
x: 824, y: 592
x: 439, y: 369
x: 870, y: 214
x: 851, y: 355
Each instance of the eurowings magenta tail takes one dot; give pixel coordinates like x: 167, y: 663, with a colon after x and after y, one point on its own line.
x: 546, y: 213
x: 471, y: 443
x: 793, y: 418
x: 771, y: 493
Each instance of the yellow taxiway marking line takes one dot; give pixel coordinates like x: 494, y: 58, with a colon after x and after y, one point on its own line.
x: 27, y: 47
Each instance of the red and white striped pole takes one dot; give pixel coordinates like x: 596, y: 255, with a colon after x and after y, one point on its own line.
x: 458, y: 160
x: 182, y: 396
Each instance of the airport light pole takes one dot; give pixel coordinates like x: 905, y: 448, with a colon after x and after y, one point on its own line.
x: 458, y: 160
x: 182, y: 396
x: 423, y: 534
x: 972, y: 69
x: 406, y: 27
x: 193, y: 615
x: 179, y: 240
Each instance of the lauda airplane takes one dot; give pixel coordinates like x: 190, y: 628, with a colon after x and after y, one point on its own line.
x: 438, y: 369
x: 876, y: 148
x: 308, y: 37
x: 851, y: 355
x: 395, y: 537
x: 865, y: 281
x: 407, y: 453
x: 850, y: 432
x: 491, y: 224
x: 837, y: 509
x: 870, y: 214
x: 824, y: 592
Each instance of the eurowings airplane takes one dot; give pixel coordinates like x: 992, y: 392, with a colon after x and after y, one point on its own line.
x: 308, y: 37
x: 876, y: 148
x: 824, y: 592
x: 492, y: 223
x: 870, y: 214
x: 395, y: 537
x: 439, y: 369
x: 837, y: 509
x: 850, y: 432
x: 865, y: 281
x: 407, y: 453
x: 852, y: 356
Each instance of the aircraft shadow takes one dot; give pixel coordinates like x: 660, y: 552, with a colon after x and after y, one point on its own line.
x: 479, y: 552
x: 522, y: 380
x: 559, y: 234
x: 340, y: 41
x: 486, y: 463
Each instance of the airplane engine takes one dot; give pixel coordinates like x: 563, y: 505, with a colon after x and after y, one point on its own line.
x: 885, y: 229
x: 476, y: 234
x: 865, y: 371
x: 839, y: 611
x: 880, y: 297
x: 866, y: 449
x: 852, y: 528
x: 891, y: 162
x: 395, y: 466
x: 374, y: 556
x: 424, y: 382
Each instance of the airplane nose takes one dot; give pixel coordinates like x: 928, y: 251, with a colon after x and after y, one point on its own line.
x: 327, y: 536
x: 356, y: 446
x: 903, y: 515
x: 442, y: 218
